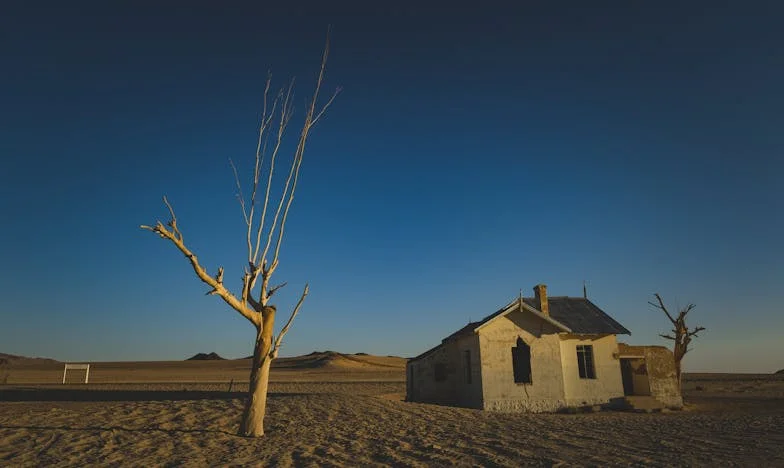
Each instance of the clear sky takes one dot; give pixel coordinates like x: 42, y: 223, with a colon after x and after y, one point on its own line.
x: 475, y: 150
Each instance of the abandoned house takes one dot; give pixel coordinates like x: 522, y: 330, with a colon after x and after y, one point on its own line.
x: 541, y: 354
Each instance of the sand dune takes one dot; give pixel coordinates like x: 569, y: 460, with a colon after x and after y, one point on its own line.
x: 331, y: 359
x: 316, y: 366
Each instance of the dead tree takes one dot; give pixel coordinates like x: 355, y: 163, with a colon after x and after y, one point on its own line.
x: 681, y: 334
x: 265, y: 217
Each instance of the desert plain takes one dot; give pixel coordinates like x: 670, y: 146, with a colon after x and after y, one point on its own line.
x: 331, y: 409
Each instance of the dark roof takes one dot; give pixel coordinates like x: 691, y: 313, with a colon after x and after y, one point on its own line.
x: 580, y: 315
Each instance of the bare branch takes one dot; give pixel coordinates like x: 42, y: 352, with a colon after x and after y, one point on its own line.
x: 297, y: 162
x: 254, y: 303
x: 219, y: 279
x: 662, y: 307
x: 668, y: 337
x: 173, y: 222
x: 175, y: 237
x: 274, y: 289
x: 261, y: 148
x: 324, y: 108
x: 285, y: 116
x: 239, y: 194
x: 695, y: 331
x: 285, y: 329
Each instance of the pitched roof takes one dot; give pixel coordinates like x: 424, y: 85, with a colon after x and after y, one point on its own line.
x: 580, y: 315
x: 569, y: 314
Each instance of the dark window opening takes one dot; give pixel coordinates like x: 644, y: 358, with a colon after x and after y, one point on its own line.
x: 467, y: 355
x: 440, y: 372
x: 585, y: 362
x: 521, y: 362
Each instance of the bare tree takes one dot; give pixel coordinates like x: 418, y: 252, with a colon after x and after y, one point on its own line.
x: 681, y: 334
x: 265, y: 218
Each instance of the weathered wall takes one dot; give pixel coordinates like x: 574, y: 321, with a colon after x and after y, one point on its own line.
x: 660, y: 365
x: 500, y: 392
x: 454, y: 389
x: 640, y: 381
x: 607, y: 384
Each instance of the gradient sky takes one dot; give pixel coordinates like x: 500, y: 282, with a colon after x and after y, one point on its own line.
x: 475, y: 150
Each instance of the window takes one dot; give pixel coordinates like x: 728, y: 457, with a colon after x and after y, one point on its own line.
x: 467, y: 360
x: 585, y: 362
x: 440, y: 372
x: 521, y: 362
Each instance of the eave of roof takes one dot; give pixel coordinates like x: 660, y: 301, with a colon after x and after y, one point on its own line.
x: 518, y: 305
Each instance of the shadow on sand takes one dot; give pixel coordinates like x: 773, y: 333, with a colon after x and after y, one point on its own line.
x: 70, y: 394
x: 143, y: 430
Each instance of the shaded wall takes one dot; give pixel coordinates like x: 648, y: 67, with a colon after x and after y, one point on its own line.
x: 441, y: 376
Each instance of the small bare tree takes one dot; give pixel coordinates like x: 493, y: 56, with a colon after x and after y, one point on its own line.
x: 681, y: 334
x: 265, y: 219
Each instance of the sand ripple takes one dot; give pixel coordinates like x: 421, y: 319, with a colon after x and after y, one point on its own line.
x: 362, y: 424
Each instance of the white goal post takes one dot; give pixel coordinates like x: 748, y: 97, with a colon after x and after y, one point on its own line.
x: 84, y: 367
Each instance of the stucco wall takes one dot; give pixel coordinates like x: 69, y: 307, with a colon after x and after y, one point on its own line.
x: 660, y: 365
x: 500, y: 392
x: 454, y: 389
x: 607, y: 384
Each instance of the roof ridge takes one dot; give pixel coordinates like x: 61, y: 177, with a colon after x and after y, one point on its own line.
x: 560, y: 297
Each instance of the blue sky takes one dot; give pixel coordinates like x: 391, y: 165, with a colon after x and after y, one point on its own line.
x: 474, y: 151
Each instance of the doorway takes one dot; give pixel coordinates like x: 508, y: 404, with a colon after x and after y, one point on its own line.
x: 634, y: 374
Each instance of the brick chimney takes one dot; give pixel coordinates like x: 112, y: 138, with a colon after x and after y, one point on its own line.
x: 540, y: 290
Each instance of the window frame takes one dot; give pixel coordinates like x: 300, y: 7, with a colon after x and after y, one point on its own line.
x: 586, y: 363
x: 519, y: 366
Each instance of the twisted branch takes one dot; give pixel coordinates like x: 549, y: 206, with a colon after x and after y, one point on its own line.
x: 175, y: 236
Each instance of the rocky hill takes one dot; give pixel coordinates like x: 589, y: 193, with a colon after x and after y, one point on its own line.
x: 206, y: 357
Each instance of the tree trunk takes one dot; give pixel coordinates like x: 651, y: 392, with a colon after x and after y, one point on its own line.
x: 678, y: 353
x: 678, y: 373
x: 256, y: 405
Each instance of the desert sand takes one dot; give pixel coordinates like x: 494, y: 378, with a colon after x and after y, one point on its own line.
x: 327, y: 409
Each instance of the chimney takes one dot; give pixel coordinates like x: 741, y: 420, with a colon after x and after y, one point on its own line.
x: 540, y: 290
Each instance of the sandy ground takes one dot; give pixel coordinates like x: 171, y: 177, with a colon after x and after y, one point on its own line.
x: 731, y: 420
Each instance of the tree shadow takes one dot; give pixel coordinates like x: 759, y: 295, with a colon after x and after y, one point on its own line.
x: 70, y: 394
x: 142, y: 430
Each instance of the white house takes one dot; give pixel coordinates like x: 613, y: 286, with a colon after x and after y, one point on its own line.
x: 535, y: 354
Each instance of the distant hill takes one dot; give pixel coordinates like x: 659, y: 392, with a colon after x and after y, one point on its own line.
x: 12, y: 360
x: 206, y: 357
x: 780, y: 371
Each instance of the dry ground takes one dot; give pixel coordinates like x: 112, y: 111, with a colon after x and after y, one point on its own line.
x: 343, y: 415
